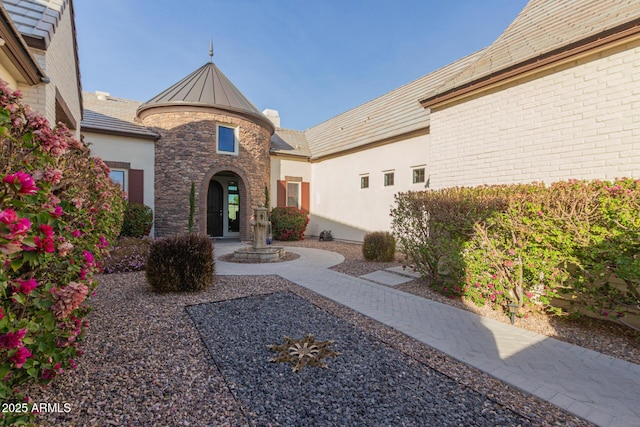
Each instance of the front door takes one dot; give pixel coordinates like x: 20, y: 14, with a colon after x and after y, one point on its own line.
x: 214, y: 209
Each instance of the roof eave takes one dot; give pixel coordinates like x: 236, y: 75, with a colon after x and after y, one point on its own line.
x: 16, y: 49
x: 604, y: 40
x: 104, y: 131
x: 247, y: 114
x: 373, y: 144
x: 298, y: 157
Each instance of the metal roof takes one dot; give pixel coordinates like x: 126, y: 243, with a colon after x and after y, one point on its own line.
x: 545, y: 27
x: 206, y: 87
x: 113, y: 116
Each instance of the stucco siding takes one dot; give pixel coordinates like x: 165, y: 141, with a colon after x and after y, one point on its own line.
x: 578, y: 121
x: 340, y: 205
x: 282, y: 168
x: 138, y: 153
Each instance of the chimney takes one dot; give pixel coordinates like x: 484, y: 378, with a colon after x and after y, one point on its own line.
x: 102, y: 96
x: 272, y: 115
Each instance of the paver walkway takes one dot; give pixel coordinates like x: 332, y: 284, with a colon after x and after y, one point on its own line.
x: 596, y: 387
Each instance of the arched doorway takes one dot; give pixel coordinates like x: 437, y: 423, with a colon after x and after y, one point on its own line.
x: 224, y: 205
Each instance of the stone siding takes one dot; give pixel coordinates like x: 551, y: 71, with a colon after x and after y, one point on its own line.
x: 186, y: 153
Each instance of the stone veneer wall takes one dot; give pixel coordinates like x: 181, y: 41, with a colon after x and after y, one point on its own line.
x: 186, y: 152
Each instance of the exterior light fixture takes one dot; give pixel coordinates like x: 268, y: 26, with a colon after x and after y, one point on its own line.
x: 513, y: 309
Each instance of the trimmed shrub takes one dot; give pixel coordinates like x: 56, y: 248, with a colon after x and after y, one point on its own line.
x: 530, y: 244
x: 138, y: 220
x: 128, y: 254
x: 379, y: 246
x: 182, y: 263
x: 288, y: 223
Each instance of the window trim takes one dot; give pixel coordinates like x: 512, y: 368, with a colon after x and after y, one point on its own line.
x: 362, y: 182
x: 125, y: 178
x: 413, y: 175
x: 236, y: 142
x: 389, y: 182
x: 298, y: 184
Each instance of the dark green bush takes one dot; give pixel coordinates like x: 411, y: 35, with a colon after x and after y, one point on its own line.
x: 180, y: 263
x: 138, y: 220
x: 379, y: 246
x: 288, y: 223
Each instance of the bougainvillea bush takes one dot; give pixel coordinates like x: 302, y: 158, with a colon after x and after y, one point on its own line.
x: 288, y: 224
x: 530, y: 244
x: 58, y: 211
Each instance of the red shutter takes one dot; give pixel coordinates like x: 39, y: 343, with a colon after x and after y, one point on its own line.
x: 304, y: 203
x: 282, y: 194
x: 136, y: 186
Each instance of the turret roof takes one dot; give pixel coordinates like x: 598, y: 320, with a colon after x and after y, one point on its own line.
x: 207, y: 87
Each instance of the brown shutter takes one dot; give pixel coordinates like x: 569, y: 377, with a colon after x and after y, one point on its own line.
x: 304, y: 203
x: 136, y: 186
x: 282, y: 194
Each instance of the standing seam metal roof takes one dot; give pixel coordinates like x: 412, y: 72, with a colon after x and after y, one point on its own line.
x: 206, y: 87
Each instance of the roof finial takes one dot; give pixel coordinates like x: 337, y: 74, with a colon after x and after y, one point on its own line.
x: 211, y: 50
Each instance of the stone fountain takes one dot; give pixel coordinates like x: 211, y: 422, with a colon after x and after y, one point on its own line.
x: 259, y: 251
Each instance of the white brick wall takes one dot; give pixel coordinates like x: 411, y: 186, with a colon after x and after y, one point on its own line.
x: 581, y: 121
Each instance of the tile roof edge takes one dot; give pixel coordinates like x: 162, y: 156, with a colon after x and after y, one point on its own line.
x: 563, y: 53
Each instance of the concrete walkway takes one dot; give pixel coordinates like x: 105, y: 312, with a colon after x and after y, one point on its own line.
x: 591, y: 385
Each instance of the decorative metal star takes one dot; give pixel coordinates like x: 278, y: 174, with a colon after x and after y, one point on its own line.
x: 302, y: 352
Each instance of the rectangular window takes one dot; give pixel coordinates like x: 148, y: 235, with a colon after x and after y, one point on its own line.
x: 364, y: 181
x: 293, y: 194
x: 117, y: 176
x: 418, y: 175
x: 227, y: 140
x: 388, y: 179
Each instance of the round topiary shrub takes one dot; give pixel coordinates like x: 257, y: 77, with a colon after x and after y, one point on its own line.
x: 181, y: 263
x: 138, y: 220
x: 288, y: 223
x: 379, y: 246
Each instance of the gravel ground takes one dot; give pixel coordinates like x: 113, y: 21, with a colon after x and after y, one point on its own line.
x: 368, y: 384
x: 146, y: 363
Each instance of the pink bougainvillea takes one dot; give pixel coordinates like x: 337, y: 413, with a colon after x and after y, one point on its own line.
x: 53, y: 234
x: 68, y: 299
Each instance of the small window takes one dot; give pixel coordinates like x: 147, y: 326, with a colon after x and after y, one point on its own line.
x: 388, y: 179
x: 117, y: 176
x: 418, y: 175
x: 293, y: 194
x: 364, y: 181
x: 227, y: 141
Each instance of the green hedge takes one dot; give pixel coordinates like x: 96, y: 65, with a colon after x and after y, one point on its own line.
x: 138, y: 220
x: 528, y: 244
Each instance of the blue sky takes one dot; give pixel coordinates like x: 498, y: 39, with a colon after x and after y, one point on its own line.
x: 310, y: 60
